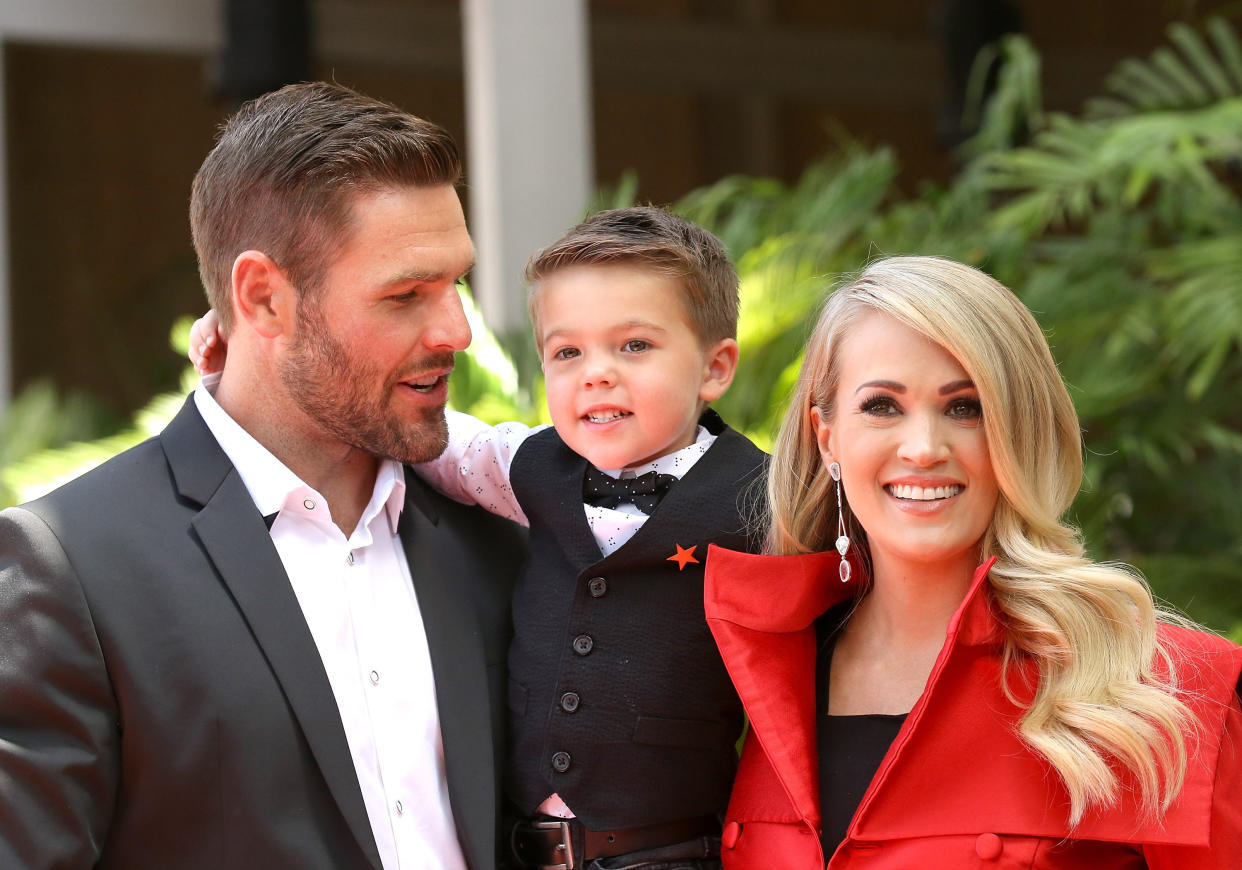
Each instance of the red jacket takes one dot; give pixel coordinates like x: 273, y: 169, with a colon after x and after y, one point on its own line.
x: 957, y: 788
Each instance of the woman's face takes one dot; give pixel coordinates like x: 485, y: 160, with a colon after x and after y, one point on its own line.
x: 907, y: 429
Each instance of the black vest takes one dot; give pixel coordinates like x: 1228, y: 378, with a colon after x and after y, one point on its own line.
x: 618, y: 699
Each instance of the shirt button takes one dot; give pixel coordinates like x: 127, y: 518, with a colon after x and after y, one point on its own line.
x: 597, y: 587
x: 989, y: 847
x: 400, y: 809
x: 583, y: 644
x: 349, y: 559
x: 374, y: 678
x: 308, y: 503
x: 728, y: 837
x: 570, y: 701
x: 561, y: 762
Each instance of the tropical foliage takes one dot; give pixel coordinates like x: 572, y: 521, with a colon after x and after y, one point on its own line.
x: 1120, y: 226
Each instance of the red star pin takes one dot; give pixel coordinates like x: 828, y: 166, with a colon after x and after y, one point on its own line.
x: 683, y: 556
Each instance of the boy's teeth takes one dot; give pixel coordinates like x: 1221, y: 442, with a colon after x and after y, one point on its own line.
x: 606, y: 416
x: 920, y: 493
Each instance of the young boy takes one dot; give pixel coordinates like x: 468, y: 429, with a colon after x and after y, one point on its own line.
x: 623, y: 720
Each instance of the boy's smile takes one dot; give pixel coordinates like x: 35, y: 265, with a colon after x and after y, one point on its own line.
x: 627, y: 375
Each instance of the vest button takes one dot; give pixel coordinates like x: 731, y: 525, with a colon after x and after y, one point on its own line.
x: 989, y: 847
x: 561, y: 762
x: 597, y: 586
x: 583, y: 644
x: 569, y: 702
x: 728, y: 837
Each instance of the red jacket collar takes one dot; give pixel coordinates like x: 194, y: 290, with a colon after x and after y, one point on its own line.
x: 804, y: 587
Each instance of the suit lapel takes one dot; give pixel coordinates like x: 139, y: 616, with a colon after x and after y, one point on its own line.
x: 236, y: 540
x: 459, y: 667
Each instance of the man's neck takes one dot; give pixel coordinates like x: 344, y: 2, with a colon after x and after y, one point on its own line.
x: 343, y: 475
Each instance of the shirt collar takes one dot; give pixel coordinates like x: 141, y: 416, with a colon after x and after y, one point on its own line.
x: 268, y: 480
x: 676, y: 463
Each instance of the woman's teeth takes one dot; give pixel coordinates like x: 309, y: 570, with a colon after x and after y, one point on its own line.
x: 921, y: 493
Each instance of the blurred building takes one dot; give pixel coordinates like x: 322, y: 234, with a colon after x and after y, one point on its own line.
x: 110, y: 106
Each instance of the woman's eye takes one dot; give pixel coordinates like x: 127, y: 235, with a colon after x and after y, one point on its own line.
x: 879, y: 406
x: 637, y: 345
x: 965, y: 409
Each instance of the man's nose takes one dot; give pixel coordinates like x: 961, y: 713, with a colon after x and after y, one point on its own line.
x: 449, y: 328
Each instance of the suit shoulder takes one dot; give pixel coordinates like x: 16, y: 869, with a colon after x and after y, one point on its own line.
x: 100, y: 490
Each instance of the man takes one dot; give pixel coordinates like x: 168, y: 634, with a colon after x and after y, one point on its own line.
x: 256, y: 641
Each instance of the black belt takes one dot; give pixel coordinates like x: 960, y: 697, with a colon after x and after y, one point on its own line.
x: 566, y: 844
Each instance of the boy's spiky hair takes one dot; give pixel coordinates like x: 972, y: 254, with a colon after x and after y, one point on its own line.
x: 651, y: 238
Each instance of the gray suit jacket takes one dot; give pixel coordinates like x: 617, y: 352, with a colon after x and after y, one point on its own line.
x: 162, y: 701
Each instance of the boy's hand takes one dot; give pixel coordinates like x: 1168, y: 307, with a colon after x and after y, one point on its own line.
x: 207, y: 346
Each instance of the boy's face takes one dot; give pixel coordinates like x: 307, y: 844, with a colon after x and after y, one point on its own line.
x: 625, y: 371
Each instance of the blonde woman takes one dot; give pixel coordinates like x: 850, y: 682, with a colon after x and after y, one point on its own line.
x: 964, y: 688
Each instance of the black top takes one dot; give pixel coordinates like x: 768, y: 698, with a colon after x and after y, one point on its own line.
x: 850, y: 747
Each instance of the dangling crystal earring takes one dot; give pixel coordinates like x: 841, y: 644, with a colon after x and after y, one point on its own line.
x: 843, y: 541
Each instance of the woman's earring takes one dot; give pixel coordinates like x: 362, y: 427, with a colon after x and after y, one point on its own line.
x: 843, y: 541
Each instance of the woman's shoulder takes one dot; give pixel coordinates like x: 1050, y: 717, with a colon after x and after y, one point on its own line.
x: 1201, y: 659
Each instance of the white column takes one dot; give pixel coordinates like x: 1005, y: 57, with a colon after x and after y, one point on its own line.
x: 6, y: 334
x: 529, y: 166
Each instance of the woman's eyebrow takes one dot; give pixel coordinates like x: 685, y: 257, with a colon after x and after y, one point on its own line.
x: 957, y: 386
x: 892, y: 386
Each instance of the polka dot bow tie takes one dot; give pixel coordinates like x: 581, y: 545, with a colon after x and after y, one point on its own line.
x: 644, y: 491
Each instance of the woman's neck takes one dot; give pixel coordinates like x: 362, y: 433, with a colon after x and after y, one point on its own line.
x: 885, y: 654
x: 909, y: 604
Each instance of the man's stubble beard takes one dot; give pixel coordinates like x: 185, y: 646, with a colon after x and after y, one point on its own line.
x: 338, y: 392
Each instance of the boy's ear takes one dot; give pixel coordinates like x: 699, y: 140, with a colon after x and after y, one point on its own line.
x: 721, y: 359
x: 263, y: 298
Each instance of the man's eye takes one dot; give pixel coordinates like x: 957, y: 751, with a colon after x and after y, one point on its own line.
x: 403, y: 298
x: 637, y: 345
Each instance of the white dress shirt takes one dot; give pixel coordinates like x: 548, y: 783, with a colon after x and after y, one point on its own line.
x: 474, y: 469
x: 358, y: 600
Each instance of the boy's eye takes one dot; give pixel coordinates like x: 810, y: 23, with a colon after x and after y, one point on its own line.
x: 637, y: 345
x: 965, y: 409
x: 565, y: 353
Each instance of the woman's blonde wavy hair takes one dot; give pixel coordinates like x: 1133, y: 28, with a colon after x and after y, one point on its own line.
x: 1106, y: 689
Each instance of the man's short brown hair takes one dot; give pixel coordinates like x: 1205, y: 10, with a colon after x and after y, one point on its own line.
x: 651, y: 238
x: 284, y: 174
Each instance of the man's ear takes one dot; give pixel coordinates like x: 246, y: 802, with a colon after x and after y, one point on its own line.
x: 263, y: 297
x: 721, y: 366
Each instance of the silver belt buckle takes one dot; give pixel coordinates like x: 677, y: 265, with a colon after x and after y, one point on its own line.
x: 566, y: 846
